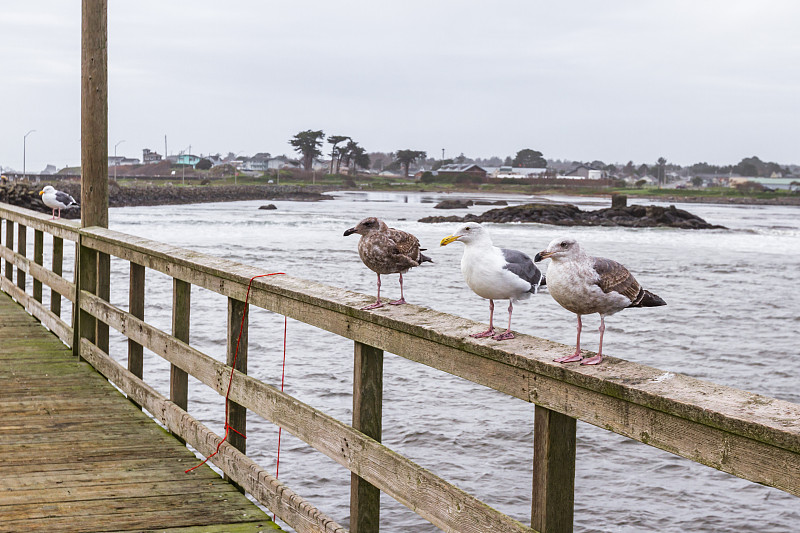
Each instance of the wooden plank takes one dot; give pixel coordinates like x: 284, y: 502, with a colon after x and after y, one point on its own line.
x: 63, y: 228
x: 439, y: 502
x: 265, y: 488
x: 365, y: 498
x: 58, y: 264
x: 38, y: 258
x: 87, y: 282
x: 136, y: 308
x: 554, y: 444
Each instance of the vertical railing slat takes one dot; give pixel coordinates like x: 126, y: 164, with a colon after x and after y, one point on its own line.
x: 104, y: 292
x: 58, y: 264
x: 87, y: 281
x: 22, y: 249
x: 179, y: 379
x: 554, y: 440
x: 136, y: 308
x: 237, y: 320
x: 38, y: 258
x: 10, y: 246
x: 367, y: 414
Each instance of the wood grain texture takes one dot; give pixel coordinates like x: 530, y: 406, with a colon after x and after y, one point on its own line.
x: 65, y: 468
x: 554, y: 444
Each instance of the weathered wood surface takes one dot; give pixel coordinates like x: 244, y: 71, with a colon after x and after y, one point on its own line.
x: 77, y: 456
x: 439, y: 502
x: 745, y: 434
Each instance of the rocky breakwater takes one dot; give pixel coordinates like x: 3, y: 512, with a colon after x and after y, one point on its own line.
x: 27, y: 195
x: 635, y: 216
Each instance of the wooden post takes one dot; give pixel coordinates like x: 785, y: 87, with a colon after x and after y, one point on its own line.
x: 367, y: 413
x: 10, y: 246
x: 136, y: 308
x: 553, y: 471
x: 179, y: 379
x: 94, y: 114
x: 58, y: 263
x: 22, y: 249
x: 237, y: 415
x: 38, y: 258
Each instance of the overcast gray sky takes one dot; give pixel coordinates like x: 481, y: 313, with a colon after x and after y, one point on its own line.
x: 691, y: 81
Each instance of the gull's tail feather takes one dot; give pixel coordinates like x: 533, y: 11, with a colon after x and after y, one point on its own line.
x: 647, y: 299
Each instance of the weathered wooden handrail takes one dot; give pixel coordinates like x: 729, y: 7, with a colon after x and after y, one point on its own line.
x: 745, y: 434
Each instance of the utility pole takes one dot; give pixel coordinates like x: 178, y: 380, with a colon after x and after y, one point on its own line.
x: 24, y: 152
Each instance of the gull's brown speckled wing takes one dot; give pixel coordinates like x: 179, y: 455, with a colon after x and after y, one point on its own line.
x: 405, y: 243
x: 615, y: 277
x: 382, y: 255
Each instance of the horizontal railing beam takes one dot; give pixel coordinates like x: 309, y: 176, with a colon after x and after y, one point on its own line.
x: 40, y: 273
x: 441, y: 340
x: 66, y: 229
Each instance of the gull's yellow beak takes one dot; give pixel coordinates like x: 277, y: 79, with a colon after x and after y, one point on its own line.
x: 447, y: 240
x: 541, y: 256
x: 41, y: 193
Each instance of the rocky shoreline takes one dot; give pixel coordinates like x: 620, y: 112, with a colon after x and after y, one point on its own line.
x: 634, y: 216
x: 27, y: 195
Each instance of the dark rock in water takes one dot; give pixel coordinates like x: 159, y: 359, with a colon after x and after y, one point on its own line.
x: 453, y: 204
x: 636, y: 216
x: 268, y: 206
x: 486, y: 202
x: 619, y: 200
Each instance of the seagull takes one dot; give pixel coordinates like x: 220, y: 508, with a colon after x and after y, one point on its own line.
x: 585, y: 285
x: 495, y: 273
x: 56, y: 200
x: 387, y: 250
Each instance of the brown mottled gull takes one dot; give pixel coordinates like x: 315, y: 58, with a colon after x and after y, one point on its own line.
x: 387, y: 250
x: 585, y: 285
x: 494, y: 273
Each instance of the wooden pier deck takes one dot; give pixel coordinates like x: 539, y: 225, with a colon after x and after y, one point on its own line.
x: 76, y: 455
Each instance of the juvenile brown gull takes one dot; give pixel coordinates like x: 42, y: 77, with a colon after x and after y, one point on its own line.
x: 387, y: 250
x: 495, y: 273
x: 56, y: 200
x: 585, y: 285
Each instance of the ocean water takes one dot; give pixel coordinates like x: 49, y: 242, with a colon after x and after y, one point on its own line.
x: 732, y: 318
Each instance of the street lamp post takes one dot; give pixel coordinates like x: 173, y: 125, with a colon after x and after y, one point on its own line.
x: 24, y: 152
x: 115, y: 158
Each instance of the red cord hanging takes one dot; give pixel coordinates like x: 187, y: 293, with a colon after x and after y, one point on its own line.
x: 230, y: 381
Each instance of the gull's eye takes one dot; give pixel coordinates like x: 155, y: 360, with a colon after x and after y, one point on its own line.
x: 466, y: 229
x: 564, y: 244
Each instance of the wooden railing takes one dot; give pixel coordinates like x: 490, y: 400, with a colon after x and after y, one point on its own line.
x: 751, y: 436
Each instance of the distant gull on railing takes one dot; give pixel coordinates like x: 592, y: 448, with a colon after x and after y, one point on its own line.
x: 56, y: 200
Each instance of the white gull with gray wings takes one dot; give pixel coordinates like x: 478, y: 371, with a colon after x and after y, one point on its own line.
x: 56, y: 200
x: 584, y: 285
x: 494, y: 273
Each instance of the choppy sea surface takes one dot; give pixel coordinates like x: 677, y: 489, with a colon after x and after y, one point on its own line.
x: 732, y: 318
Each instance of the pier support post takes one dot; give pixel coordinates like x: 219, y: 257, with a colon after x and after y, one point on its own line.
x: 367, y: 413
x: 554, y: 439
x: 10, y: 246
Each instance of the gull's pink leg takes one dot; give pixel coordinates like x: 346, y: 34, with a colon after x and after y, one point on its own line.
x: 507, y: 333
x: 59, y: 213
x: 597, y: 359
x: 378, y: 303
x: 54, y: 214
x: 577, y: 355
x: 489, y: 332
x: 401, y: 300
